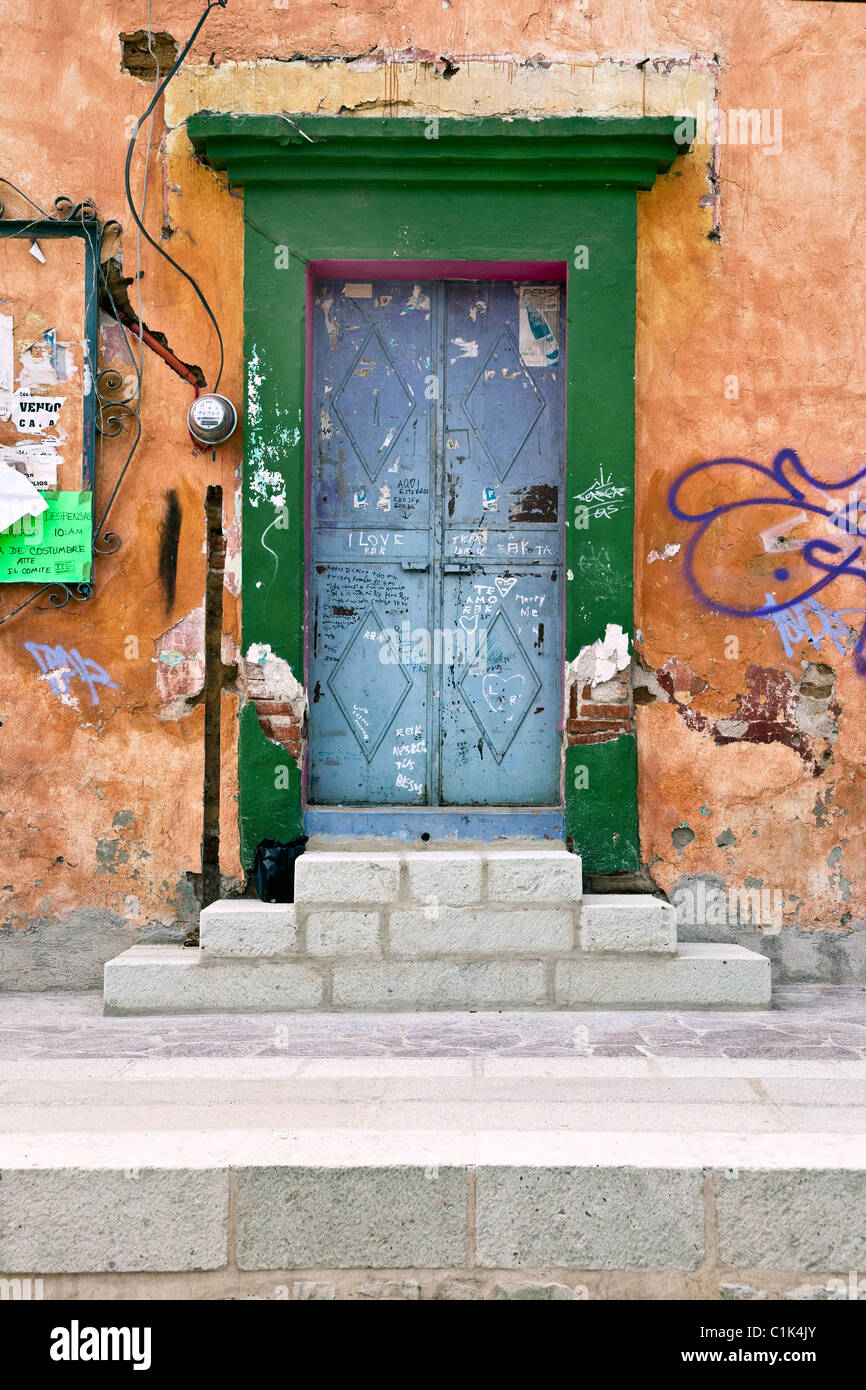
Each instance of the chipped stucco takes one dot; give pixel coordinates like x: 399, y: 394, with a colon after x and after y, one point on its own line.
x: 768, y: 304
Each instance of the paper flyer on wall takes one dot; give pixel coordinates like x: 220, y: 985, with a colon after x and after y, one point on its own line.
x: 56, y: 544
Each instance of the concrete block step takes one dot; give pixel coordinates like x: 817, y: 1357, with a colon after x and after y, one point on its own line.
x: 627, y: 922
x: 354, y: 878
x: 175, y: 979
x: 699, y: 975
x: 245, y: 928
x: 520, y: 1169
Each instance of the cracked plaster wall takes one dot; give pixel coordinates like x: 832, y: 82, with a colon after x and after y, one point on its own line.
x: 771, y: 302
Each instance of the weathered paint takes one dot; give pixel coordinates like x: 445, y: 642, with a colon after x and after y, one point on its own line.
x: 769, y: 303
x: 435, y: 609
x: 343, y: 173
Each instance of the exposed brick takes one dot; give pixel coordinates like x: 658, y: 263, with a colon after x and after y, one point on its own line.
x: 589, y: 710
x: 287, y: 738
x: 216, y: 554
x: 596, y: 726
x: 572, y: 702
x: 266, y: 706
x: 594, y: 738
x: 281, y: 731
x: 286, y: 727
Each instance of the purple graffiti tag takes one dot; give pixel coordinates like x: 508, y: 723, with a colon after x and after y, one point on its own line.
x: 778, y: 486
x: 59, y: 667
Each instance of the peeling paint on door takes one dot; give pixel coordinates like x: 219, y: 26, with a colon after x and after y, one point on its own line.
x: 435, y: 651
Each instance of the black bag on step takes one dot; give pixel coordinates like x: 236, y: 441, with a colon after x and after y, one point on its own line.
x: 274, y: 869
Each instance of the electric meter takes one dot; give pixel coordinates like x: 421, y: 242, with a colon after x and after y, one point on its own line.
x: 211, y: 419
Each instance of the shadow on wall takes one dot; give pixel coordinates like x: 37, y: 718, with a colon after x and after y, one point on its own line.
x: 68, y: 953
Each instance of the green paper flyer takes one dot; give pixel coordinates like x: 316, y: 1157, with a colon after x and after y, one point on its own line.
x: 55, y: 545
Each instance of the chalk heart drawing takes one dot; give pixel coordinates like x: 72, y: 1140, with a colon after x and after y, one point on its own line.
x: 472, y: 609
x: 503, y: 693
x: 738, y: 560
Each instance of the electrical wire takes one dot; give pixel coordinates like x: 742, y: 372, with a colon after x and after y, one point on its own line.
x: 113, y: 413
x: 214, y: 4
x: 146, y: 175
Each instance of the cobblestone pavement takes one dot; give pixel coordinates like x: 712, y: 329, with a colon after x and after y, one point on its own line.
x: 823, y: 1022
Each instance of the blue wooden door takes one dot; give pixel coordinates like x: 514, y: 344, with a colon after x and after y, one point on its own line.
x: 435, y: 595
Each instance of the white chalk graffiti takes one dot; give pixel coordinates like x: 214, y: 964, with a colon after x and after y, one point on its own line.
x: 484, y: 600
x: 500, y: 697
x: 361, y: 720
x: 602, y: 499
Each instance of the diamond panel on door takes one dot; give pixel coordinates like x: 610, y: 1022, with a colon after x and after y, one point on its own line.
x: 499, y: 685
x: 503, y: 404
x: 500, y: 699
x: 373, y: 403
x: 369, y: 692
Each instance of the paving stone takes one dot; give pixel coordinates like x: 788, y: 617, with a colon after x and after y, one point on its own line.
x: 326, y: 876
x: 246, y: 928
x: 86, y: 1220
x: 390, y: 1290
x: 451, y: 930
x: 457, y: 1290
x: 834, y: 1291
x: 437, y: 984
x: 589, y: 1218
x: 627, y: 922
x: 792, y: 1220
x: 343, y: 933
x: 552, y: 876
x: 313, y: 1290
x: 445, y: 876
x: 810, y: 1031
x: 345, y: 1218
x: 538, y: 1292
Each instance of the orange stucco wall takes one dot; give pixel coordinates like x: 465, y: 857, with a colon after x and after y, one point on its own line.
x: 748, y: 341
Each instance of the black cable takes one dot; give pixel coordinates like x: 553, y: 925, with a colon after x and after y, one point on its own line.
x: 215, y: 4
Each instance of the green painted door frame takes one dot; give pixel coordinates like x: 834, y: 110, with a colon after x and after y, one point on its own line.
x: 321, y: 188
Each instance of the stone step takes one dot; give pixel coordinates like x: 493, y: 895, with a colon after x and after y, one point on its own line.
x: 177, y: 979
x: 308, y: 1175
x: 355, y: 878
x: 490, y: 1170
x: 627, y: 922
x: 244, y: 928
